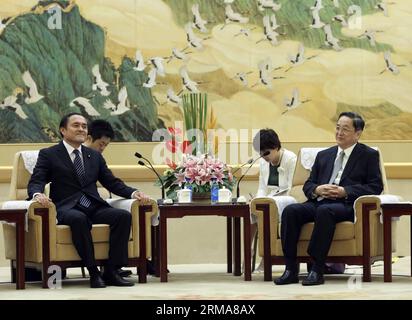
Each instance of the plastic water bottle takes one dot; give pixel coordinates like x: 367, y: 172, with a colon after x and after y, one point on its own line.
x: 214, y: 191
x: 187, y: 185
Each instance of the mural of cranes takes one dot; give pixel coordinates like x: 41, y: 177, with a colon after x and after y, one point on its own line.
x: 247, y: 55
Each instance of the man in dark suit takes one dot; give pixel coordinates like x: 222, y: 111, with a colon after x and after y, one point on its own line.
x: 73, y: 171
x: 339, y: 175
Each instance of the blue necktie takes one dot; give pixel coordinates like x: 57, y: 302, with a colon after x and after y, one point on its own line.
x: 78, y: 164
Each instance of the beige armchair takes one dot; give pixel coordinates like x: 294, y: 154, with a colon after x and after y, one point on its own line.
x: 358, y: 243
x: 48, y: 244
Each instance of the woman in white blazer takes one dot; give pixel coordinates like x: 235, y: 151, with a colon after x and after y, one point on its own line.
x: 284, y: 161
x: 276, y: 169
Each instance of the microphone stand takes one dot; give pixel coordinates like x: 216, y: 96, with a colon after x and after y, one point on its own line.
x: 253, y: 162
x: 248, y: 162
x: 138, y: 155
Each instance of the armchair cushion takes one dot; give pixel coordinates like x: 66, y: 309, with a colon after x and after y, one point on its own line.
x: 378, y: 200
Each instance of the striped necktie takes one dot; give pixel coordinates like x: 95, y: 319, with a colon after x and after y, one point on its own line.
x: 78, y: 165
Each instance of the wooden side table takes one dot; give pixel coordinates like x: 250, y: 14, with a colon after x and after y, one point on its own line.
x: 230, y: 210
x: 19, y: 218
x: 389, y: 211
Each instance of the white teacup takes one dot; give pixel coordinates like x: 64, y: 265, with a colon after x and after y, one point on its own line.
x: 225, y: 195
x: 184, y: 196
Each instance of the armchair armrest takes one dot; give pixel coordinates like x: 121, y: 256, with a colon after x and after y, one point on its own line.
x: 46, y: 222
x: 375, y: 200
x: 151, y: 215
x: 40, y: 228
x: 370, y: 205
x: 130, y: 204
x: 276, y: 206
x: 30, y: 206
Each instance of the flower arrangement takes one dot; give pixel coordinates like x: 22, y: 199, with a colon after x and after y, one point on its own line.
x: 197, y: 172
x: 174, y: 142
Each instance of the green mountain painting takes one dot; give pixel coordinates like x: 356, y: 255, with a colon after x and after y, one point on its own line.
x: 46, y: 73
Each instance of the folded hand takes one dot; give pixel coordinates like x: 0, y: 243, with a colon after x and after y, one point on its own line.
x: 330, y: 191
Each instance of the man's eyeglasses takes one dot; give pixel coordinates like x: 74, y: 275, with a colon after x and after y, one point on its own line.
x: 344, y: 130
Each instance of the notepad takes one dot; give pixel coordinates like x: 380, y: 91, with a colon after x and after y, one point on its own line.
x: 278, y: 192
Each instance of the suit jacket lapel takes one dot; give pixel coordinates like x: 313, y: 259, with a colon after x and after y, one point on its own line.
x: 351, y: 162
x: 87, y: 161
x: 330, y: 161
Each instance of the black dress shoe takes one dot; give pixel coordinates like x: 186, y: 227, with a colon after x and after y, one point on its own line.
x: 334, y: 268
x: 124, y: 273
x: 150, y: 268
x: 287, y: 277
x: 113, y: 279
x: 96, y: 281
x: 313, y: 279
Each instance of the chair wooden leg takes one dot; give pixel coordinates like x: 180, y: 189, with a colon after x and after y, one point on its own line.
x: 236, y: 247
x: 366, y: 208
x: 142, y: 245
x: 156, y: 249
x: 366, y: 270
x: 12, y: 272
x: 267, y: 258
x: 142, y: 271
x: 255, y: 241
x: 45, y: 276
x: 83, y: 272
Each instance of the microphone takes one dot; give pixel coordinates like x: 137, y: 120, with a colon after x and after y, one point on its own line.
x: 248, y: 162
x: 243, y: 175
x: 138, y: 155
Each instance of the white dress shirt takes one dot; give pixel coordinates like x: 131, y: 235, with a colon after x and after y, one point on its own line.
x: 70, y: 151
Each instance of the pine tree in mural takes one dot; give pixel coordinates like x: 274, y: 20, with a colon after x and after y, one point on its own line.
x: 46, y: 73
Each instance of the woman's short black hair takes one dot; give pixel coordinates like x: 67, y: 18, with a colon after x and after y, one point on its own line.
x: 266, y: 139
